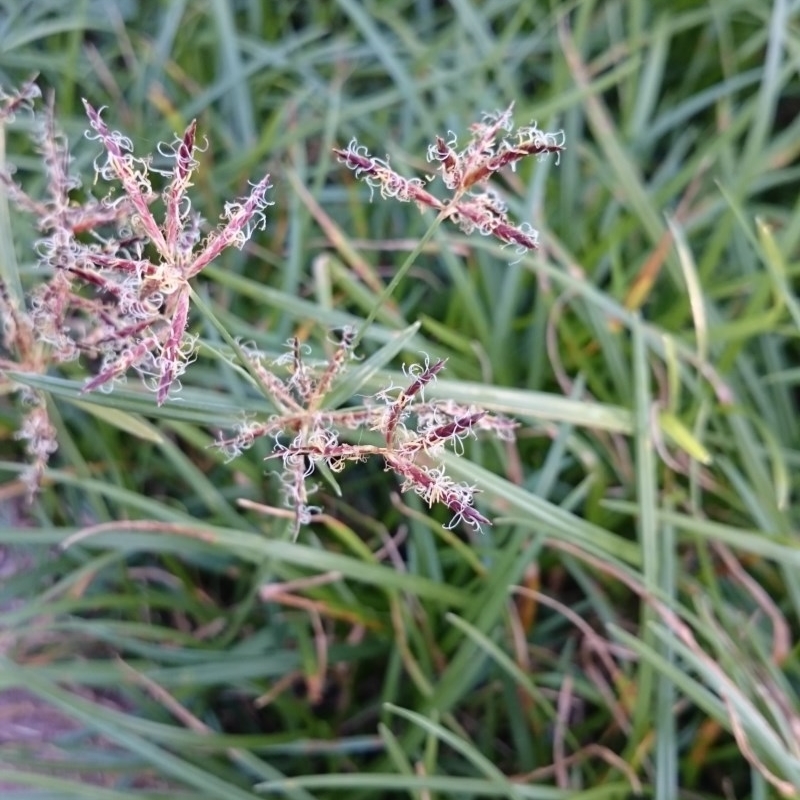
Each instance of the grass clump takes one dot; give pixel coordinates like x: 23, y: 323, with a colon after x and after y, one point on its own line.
x: 564, y: 565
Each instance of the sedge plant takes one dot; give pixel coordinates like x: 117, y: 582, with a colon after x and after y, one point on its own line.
x: 116, y: 267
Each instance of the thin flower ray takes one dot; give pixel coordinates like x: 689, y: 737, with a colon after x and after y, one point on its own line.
x: 243, y: 219
x: 174, y: 194
x: 132, y: 175
x: 172, y: 360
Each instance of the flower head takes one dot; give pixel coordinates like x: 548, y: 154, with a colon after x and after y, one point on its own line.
x: 491, y: 148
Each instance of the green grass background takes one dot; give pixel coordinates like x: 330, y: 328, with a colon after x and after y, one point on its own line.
x: 649, y: 351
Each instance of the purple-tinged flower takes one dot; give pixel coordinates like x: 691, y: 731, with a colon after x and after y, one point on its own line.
x: 489, y: 150
x: 158, y: 291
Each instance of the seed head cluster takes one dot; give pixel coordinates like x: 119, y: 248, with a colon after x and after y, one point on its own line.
x: 472, y: 205
x: 114, y: 294
x: 115, y: 277
x: 409, y: 432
